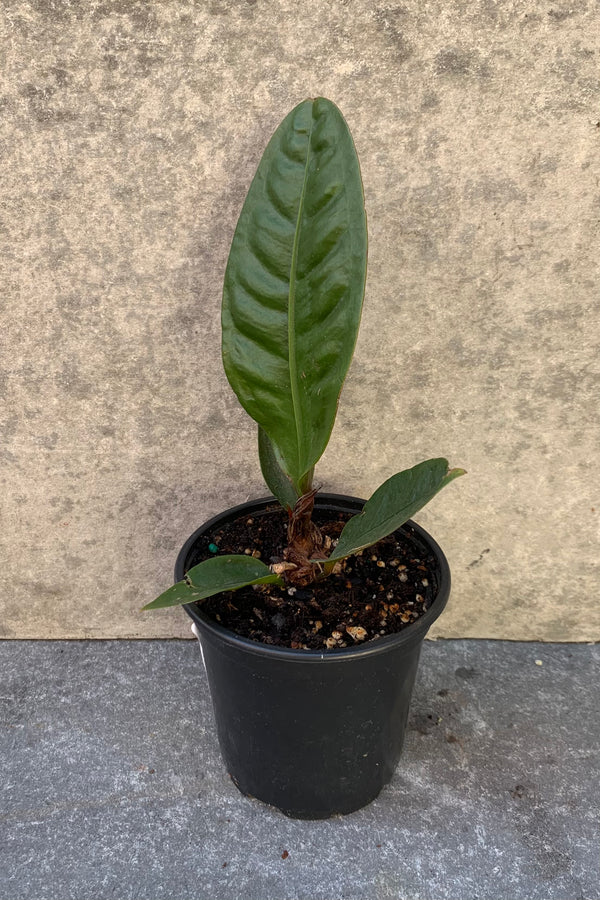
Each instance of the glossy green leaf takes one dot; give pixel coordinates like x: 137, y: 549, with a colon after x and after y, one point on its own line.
x: 398, y: 498
x: 213, y: 576
x: 294, y: 283
x: 280, y: 485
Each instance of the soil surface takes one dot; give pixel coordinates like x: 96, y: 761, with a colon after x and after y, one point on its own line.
x: 379, y: 591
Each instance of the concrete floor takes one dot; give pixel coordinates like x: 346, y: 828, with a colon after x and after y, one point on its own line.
x: 112, y: 784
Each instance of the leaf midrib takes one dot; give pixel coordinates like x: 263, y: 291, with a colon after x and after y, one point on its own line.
x: 388, y: 522
x: 292, y: 363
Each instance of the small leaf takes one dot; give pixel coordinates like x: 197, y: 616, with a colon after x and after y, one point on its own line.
x: 398, y: 498
x: 280, y: 485
x: 213, y: 576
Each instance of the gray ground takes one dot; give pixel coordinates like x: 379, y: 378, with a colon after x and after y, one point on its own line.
x: 112, y: 785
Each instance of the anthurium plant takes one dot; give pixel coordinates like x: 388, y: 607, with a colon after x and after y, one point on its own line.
x: 292, y: 301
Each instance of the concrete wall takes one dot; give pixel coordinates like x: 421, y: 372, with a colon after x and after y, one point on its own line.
x: 130, y: 132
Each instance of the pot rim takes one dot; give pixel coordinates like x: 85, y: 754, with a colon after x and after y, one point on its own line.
x: 414, y: 632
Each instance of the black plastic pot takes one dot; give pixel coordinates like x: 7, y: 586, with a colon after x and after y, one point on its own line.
x: 314, y: 734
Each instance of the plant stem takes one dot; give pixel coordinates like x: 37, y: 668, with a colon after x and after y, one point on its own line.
x: 305, y: 485
x: 304, y: 540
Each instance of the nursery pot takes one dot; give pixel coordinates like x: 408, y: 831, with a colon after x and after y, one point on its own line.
x: 312, y: 733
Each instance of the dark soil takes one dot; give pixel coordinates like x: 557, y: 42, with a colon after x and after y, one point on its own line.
x: 378, y: 592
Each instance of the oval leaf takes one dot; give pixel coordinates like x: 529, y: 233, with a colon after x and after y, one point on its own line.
x: 213, y: 576
x: 398, y: 498
x: 294, y: 283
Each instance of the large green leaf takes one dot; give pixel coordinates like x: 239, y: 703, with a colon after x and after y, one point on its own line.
x: 294, y: 283
x: 213, y: 576
x: 280, y: 485
x: 398, y: 498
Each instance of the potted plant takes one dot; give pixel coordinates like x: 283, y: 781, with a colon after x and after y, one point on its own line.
x: 311, y: 609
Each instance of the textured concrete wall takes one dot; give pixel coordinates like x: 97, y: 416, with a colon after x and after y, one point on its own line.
x: 129, y: 134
